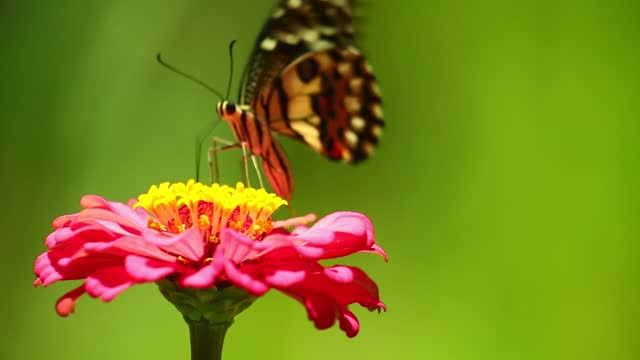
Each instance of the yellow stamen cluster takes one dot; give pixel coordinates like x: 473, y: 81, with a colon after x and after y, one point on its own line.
x: 175, y: 207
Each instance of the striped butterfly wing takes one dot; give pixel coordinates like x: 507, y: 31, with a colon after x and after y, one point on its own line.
x: 277, y: 170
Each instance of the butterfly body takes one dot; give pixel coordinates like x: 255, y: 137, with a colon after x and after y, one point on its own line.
x: 306, y: 80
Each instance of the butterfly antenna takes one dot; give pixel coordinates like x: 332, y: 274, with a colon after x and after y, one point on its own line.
x: 190, y: 77
x: 230, y: 67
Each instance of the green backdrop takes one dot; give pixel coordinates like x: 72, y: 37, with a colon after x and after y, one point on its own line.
x: 505, y: 186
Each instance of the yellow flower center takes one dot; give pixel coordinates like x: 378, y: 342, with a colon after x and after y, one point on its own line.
x: 177, y: 207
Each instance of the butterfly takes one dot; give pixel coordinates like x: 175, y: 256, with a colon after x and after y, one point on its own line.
x: 306, y: 80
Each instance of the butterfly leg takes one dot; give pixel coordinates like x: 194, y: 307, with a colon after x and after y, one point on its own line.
x: 245, y: 156
x: 219, y: 144
x: 255, y: 165
x: 244, y: 163
x: 212, y: 157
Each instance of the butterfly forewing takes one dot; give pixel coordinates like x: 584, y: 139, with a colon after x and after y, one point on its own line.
x: 294, y: 28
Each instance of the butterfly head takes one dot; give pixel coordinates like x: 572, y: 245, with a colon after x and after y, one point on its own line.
x: 226, y: 109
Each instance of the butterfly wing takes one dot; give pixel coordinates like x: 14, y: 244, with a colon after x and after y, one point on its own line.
x: 327, y: 99
x: 295, y: 28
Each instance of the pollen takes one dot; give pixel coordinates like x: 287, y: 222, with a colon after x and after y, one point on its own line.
x: 152, y: 224
x: 177, y: 207
x: 203, y: 221
x: 181, y: 259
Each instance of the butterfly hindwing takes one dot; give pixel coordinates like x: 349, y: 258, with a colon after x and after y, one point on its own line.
x: 327, y: 99
x: 276, y: 168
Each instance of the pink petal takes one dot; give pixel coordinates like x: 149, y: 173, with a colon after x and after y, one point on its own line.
x: 317, y: 235
x: 321, y: 310
x: 83, y: 233
x: 51, y: 267
x: 45, y: 271
x: 378, y: 250
x: 277, y: 243
x: 67, y: 303
x: 325, y: 292
x: 244, y: 280
x: 107, y: 283
x: 339, y: 274
x: 143, y: 269
x: 347, y: 222
x: 118, y: 223
x: 349, y: 323
x: 138, y: 217
x: 63, y: 220
x: 238, y: 248
x: 188, y: 243
x: 282, y: 278
x: 204, y: 277
x: 352, y: 232
x: 129, y: 245
x: 336, y: 235
x: 93, y: 201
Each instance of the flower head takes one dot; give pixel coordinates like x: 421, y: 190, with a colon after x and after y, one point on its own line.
x: 194, y: 236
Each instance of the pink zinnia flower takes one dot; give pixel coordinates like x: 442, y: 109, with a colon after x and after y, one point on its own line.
x: 193, y: 236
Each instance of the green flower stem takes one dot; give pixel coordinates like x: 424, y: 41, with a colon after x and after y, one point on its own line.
x: 208, y: 312
x: 207, y: 339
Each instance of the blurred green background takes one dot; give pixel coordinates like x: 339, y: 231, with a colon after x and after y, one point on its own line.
x: 505, y: 187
